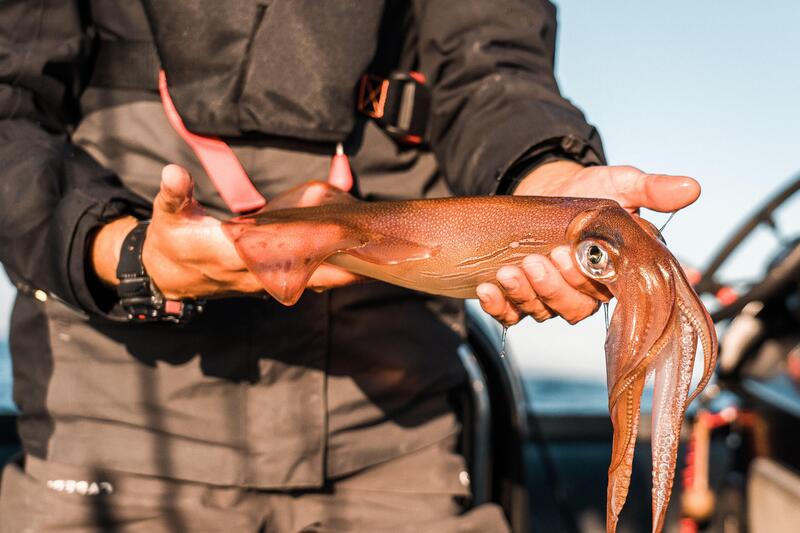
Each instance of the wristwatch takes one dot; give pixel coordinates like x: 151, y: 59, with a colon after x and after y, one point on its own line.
x: 137, y: 293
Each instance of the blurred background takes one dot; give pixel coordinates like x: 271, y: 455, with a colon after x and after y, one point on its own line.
x: 707, y: 89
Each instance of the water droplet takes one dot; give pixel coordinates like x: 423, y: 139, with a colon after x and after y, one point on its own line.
x: 514, y: 244
x: 503, y: 342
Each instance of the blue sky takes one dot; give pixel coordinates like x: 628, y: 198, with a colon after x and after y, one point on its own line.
x: 710, y: 89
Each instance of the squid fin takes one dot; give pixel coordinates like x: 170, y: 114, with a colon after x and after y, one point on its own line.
x: 284, y: 253
x: 309, y: 194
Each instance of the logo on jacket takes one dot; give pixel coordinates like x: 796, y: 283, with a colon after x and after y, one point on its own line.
x: 84, y: 488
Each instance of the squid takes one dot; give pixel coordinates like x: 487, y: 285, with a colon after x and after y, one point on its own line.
x: 449, y: 246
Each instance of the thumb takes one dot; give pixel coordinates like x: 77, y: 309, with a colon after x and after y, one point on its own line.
x: 175, y: 195
x: 660, y: 192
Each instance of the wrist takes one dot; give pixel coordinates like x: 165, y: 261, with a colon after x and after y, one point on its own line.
x: 137, y: 293
x: 545, y: 179
x: 105, y: 249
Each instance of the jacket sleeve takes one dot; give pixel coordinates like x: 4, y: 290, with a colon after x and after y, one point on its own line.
x: 495, y: 105
x: 53, y: 195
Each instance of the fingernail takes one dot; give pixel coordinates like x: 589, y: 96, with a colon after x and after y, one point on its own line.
x: 483, y: 294
x: 510, y: 283
x: 536, y: 270
x: 560, y: 255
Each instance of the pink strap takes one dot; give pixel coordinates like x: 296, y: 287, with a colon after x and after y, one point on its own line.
x: 217, y: 158
x: 224, y: 168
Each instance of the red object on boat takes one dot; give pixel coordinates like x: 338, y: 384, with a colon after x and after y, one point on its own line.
x: 726, y: 296
x: 693, y: 276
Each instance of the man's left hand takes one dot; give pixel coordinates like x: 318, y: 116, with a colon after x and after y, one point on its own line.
x: 545, y: 287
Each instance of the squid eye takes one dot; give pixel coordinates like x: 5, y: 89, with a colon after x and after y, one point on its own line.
x: 594, y: 260
x: 595, y: 255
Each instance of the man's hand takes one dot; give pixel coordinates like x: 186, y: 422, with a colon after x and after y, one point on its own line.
x: 186, y: 253
x: 545, y: 287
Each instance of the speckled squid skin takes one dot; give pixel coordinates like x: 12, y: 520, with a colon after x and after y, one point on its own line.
x: 449, y: 246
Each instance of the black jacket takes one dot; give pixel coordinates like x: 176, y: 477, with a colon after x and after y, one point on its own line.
x: 278, y: 68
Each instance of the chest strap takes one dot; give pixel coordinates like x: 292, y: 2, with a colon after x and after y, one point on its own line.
x: 135, y: 65
x: 226, y: 171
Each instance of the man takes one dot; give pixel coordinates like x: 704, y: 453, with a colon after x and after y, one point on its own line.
x: 336, y: 414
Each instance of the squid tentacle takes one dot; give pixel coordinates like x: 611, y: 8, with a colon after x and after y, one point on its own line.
x: 650, y: 315
x: 670, y: 359
x: 703, y: 326
x: 673, y: 374
x: 628, y: 391
x: 626, y: 426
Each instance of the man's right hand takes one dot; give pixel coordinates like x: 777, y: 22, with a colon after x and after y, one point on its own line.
x: 186, y: 253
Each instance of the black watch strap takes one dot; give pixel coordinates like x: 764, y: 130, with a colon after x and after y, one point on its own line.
x: 130, y: 265
x: 137, y: 294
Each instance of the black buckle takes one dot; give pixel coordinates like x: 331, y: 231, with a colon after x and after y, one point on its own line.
x: 138, y: 295
x: 399, y: 104
x: 143, y: 302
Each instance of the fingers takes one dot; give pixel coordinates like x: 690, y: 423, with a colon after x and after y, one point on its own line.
x: 175, y: 195
x: 518, y: 290
x: 494, y: 302
x: 659, y: 192
x: 541, y: 289
x: 555, y: 292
